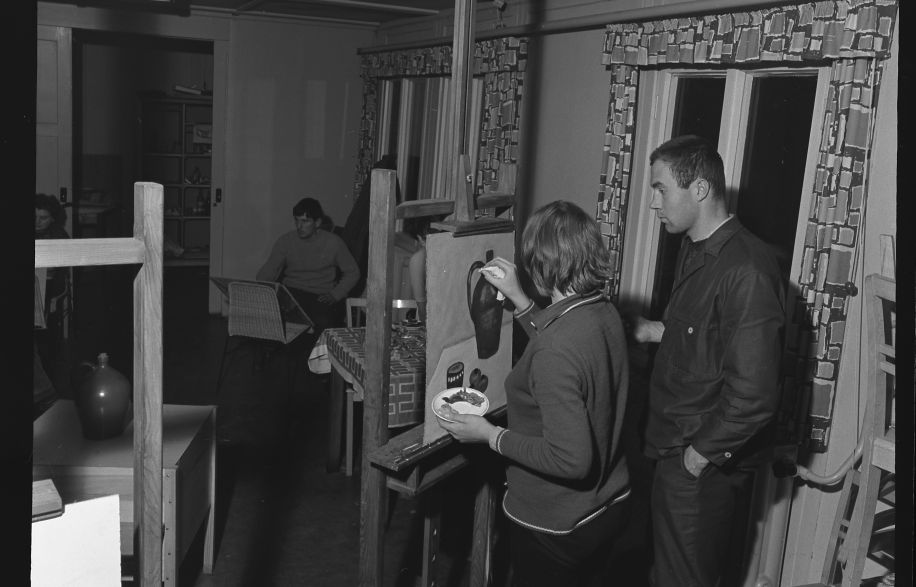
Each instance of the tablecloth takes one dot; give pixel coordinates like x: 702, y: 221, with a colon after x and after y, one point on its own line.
x: 343, y: 349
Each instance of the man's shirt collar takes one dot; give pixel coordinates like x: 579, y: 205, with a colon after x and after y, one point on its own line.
x: 713, y: 242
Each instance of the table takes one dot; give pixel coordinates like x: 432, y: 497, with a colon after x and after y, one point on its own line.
x: 84, y: 469
x: 341, y: 351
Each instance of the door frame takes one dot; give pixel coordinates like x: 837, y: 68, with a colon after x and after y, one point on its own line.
x: 771, y: 499
x: 61, y: 127
x: 213, y: 28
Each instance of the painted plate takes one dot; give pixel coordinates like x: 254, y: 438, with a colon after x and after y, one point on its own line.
x: 463, y: 400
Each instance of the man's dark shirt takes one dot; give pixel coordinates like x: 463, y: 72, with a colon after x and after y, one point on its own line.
x: 715, y: 383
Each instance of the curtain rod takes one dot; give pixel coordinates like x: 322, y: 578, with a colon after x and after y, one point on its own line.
x: 596, y: 21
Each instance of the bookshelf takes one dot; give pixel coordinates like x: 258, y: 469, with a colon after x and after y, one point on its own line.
x: 175, y: 151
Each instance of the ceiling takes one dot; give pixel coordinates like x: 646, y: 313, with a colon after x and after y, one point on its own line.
x: 369, y: 12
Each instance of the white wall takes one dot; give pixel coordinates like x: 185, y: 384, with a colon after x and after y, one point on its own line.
x: 295, y: 101
x: 564, y: 116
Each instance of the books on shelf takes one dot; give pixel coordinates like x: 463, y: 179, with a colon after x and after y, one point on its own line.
x: 191, y: 90
x: 186, y: 90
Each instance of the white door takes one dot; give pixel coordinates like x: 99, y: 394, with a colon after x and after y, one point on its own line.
x: 54, y: 117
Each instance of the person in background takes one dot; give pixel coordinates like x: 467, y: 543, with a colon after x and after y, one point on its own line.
x: 314, y: 264
x: 714, y: 387
x: 50, y: 218
x: 49, y: 224
x: 567, y: 477
x: 418, y: 228
x: 355, y: 231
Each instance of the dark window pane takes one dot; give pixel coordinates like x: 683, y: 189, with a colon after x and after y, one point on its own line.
x: 698, y: 111
x: 419, y: 108
x: 427, y: 147
x: 779, y: 124
x: 395, y: 118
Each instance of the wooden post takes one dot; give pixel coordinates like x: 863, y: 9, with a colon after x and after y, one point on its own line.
x: 147, y: 392
x: 462, y: 72
x: 382, y: 203
x: 482, y: 538
x: 144, y: 248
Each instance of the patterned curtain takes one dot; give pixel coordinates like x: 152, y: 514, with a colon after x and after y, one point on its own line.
x: 500, y: 62
x: 615, y: 165
x: 828, y: 263
x: 855, y: 36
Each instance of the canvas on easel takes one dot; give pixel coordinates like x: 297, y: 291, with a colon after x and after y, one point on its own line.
x: 468, y: 330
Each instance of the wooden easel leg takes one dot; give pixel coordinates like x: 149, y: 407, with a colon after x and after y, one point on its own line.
x: 484, y: 516
x: 337, y: 398
x: 350, y: 431
x: 372, y: 527
x: 432, y: 518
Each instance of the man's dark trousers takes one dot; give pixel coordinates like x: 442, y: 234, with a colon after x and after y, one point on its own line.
x: 699, y: 524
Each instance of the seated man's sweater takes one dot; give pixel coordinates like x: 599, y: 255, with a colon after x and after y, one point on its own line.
x: 311, y: 264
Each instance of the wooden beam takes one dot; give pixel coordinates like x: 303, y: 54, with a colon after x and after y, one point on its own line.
x: 430, y: 207
x: 147, y: 382
x: 495, y: 200
x: 382, y: 202
x: 379, y: 6
x: 85, y: 252
x: 462, y: 66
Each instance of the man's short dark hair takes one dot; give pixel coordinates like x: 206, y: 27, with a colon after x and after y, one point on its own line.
x: 310, y: 207
x: 562, y: 249
x: 690, y: 157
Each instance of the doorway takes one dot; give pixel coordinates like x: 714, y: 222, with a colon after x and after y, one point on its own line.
x: 114, y: 76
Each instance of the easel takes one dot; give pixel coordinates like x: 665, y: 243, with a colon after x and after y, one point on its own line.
x: 406, y: 464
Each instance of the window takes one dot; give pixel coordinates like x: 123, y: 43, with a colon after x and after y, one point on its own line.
x: 761, y: 120
x: 414, y: 119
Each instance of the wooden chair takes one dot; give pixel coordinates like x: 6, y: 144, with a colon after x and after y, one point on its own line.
x: 255, y: 314
x: 356, y: 310
x: 865, y: 521
x: 356, y: 317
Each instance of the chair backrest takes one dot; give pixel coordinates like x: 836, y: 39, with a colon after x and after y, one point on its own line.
x: 356, y: 309
x: 255, y: 312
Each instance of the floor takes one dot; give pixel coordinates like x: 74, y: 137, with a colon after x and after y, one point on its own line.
x: 281, y: 517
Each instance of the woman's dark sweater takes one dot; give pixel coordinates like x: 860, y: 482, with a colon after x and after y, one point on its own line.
x: 565, y: 400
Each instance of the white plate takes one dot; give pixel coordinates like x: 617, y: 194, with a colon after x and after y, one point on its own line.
x: 462, y: 407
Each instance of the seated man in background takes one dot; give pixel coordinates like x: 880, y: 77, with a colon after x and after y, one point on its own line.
x: 315, y: 265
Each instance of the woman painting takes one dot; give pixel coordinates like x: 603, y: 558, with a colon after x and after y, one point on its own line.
x: 566, y: 472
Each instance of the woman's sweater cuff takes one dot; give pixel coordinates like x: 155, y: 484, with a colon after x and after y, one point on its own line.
x: 520, y: 313
x: 496, y: 440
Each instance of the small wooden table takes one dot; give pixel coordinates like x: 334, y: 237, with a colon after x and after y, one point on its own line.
x: 346, y: 354
x: 84, y: 469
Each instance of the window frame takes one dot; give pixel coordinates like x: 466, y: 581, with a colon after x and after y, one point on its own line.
x: 655, y: 117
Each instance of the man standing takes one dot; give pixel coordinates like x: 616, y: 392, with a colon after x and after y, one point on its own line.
x: 715, y: 382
